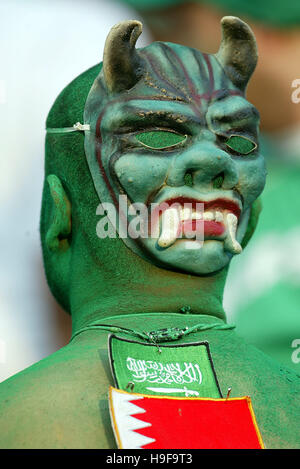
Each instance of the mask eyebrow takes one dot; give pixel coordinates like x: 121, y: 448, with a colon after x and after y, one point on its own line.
x: 136, y: 114
x: 232, y: 112
x: 248, y: 112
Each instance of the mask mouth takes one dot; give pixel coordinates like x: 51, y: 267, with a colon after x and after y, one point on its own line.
x: 197, y: 219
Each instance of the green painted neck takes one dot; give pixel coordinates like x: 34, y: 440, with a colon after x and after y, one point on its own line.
x: 120, y: 282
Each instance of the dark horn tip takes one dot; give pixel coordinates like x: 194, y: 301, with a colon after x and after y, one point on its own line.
x: 120, y: 58
x: 130, y: 30
x: 136, y: 32
x: 238, y: 51
x: 237, y: 28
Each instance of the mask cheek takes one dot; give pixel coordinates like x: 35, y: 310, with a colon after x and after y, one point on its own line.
x: 140, y: 175
x: 252, y: 178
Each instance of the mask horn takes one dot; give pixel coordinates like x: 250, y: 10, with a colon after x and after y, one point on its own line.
x: 238, y: 51
x: 121, y: 62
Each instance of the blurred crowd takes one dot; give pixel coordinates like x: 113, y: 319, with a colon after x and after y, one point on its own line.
x: 44, y: 46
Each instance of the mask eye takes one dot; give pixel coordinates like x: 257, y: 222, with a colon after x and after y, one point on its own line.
x: 160, y: 139
x: 241, y: 144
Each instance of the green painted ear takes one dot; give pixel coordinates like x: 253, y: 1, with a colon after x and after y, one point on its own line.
x: 160, y: 139
x: 60, y: 227
x: 240, y: 144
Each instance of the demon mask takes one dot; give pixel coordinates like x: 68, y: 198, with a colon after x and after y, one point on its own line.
x: 170, y: 129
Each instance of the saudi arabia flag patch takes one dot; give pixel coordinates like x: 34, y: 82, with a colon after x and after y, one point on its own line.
x: 184, y: 370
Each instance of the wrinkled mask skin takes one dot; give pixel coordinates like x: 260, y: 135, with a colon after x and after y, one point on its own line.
x: 171, y: 124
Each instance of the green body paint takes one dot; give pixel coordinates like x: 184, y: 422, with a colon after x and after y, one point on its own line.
x: 61, y: 402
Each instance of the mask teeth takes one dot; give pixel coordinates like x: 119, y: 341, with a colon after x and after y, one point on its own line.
x: 231, y: 244
x: 170, y: 225
x: 185, y: 213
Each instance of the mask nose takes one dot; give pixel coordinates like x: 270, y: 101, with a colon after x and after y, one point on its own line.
x: 205, y: 166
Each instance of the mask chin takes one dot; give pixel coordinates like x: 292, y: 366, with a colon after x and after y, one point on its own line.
x: 203, y: 258
x: 192, y: 256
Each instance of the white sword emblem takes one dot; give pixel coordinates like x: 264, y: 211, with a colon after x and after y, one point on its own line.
x: 186, y: 391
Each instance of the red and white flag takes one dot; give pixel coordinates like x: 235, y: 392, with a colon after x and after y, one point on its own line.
x: 160, y: 422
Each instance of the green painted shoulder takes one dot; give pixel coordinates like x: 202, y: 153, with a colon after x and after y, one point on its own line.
x: 60, y: 402
x: 274, y: 389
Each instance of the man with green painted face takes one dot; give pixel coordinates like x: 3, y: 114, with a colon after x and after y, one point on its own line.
x: 166, y: 126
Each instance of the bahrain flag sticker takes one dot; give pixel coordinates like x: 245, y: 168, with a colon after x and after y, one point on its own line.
x: 143, y: 421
